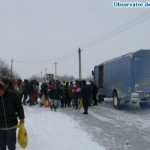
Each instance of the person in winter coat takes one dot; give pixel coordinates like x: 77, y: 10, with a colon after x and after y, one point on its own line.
x: 95, y: 90
x: 18, y: 85
x: 86, y: 93
x: 62, y: 95
x: 70, y: 88
x: 26, y: 88
x: 30, y: 92
x: 10, y: 109
x: 66, y: 99
x: 43, y: 93
x: 54, y: 96
x: 76, y: 94
x: 35, y: 92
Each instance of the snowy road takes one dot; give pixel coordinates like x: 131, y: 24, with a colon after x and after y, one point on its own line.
x: 104, y: 128
x: 55, y: 130
x: 126, y: 129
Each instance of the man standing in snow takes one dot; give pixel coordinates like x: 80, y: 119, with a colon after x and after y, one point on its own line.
x: 86, y: 93
x: 10, y: 109
x: 54, y: 96
x: 94, y: 92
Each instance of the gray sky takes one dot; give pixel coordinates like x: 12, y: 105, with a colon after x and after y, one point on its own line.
x: 38, y: 33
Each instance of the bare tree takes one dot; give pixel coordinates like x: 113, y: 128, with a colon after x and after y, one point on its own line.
x: 6, y: 71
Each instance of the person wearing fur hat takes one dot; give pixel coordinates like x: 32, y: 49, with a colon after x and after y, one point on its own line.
x: 10, y: 109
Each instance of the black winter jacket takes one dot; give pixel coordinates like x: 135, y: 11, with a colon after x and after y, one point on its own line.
x: 10, y: 109
x: 54, y: 93
x: 86, y: 91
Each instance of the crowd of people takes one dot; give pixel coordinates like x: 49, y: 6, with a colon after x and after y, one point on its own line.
x: 60, y: 94
x: 14, y: 93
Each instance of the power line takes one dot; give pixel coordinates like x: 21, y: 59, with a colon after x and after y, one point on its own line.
x: 139, y: 19
x: 70, y: 55
x: 59, y: 59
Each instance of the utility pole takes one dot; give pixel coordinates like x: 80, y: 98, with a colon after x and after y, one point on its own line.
x: 55, y: 70
x: 11, y: 68
x: 80, y: 73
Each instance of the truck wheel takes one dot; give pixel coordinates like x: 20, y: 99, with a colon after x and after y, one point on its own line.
x: 116, y: 102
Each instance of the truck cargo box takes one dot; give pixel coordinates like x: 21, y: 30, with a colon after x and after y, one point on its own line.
x: 125, y: 78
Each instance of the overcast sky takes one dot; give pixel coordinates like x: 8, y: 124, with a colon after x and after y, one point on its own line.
x: 38, y: 33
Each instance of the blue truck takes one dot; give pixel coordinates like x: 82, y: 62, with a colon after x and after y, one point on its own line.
x: 125, y: 79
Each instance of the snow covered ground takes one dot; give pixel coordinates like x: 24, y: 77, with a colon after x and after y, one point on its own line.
x: 104, y: 128
x: 49, y: 130
x: 126, y: 129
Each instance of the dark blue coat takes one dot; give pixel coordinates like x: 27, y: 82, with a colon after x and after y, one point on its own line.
x: 86, y: 91
x: 10, y: 109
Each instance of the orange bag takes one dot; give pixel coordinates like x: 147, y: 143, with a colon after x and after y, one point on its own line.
x: 47, y: 103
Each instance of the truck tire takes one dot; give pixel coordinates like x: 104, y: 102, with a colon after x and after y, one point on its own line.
x: 116, y: 101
